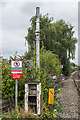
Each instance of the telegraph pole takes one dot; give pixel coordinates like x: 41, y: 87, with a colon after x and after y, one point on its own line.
x: 37, y: 33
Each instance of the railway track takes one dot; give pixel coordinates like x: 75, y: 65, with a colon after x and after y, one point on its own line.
x: 70, y: 99
x: 76, y: 78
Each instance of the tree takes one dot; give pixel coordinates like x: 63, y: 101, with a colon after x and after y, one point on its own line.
x: 59, y: 37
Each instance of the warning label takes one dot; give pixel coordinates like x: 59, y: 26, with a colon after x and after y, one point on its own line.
x: 51, y: 96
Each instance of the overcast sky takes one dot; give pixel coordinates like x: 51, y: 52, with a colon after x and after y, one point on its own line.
x: 16, y: 21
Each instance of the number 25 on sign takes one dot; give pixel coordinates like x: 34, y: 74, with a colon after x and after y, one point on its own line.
x: 51, y: 96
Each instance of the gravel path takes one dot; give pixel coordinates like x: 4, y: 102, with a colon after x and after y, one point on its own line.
x: 70, y: 100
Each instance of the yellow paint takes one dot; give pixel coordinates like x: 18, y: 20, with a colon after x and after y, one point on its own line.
x: 51, y: 96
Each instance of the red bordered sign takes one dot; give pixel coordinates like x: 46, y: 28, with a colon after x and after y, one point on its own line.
x: 16, y: 64
x: 16, y: 69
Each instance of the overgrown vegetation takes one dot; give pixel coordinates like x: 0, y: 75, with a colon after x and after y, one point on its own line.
x: 74, y: 67
x: 53, y: 54
x: 48, y: 70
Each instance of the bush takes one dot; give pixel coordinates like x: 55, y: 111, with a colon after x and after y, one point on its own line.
x: 8, y: 85
x: 67, y: 68
x: 11, y: 114
x: 78, y: 67
x: 50, y: 61
x: 49, y: 111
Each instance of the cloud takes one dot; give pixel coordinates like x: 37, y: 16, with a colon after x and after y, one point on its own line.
x: 61, y: 10
x: 13, y: 41
x: 16, y: 16
x: 12, y: 18
x: 39, y: 1
x: 29, y: 8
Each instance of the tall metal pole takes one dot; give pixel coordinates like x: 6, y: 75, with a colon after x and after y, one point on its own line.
x: 16, y: 92
x: 37, y: 38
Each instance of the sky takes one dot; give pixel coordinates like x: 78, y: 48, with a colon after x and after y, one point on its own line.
x: 15, y: 20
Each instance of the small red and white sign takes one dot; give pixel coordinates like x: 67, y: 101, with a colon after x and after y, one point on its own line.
x: 16, y: 64
x: 16, y: 69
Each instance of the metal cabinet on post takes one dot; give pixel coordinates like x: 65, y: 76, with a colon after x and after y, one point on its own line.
x: 33, y: 97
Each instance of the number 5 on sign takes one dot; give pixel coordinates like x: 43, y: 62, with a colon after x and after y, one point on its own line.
x: 51, y: 96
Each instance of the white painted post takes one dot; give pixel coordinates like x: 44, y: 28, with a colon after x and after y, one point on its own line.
x: 38, y: 56
x: 37, y: 39
x: 26, y: 97
x: 16, y: 92
x: 38, y: 98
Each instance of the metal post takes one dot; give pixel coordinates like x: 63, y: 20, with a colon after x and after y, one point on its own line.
x: 16, y: 92
x: 37, y: 39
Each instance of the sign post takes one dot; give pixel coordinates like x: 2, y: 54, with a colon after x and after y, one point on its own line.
x: 16, y: 71
x: 16, y: 92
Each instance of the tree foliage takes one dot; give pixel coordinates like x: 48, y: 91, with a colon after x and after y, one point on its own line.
x: 59, y: 37
x: 8, y: 85
x: 50, y: 61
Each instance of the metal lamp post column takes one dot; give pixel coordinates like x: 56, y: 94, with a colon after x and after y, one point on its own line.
x: 37, y: 33
x: 38, y: 53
